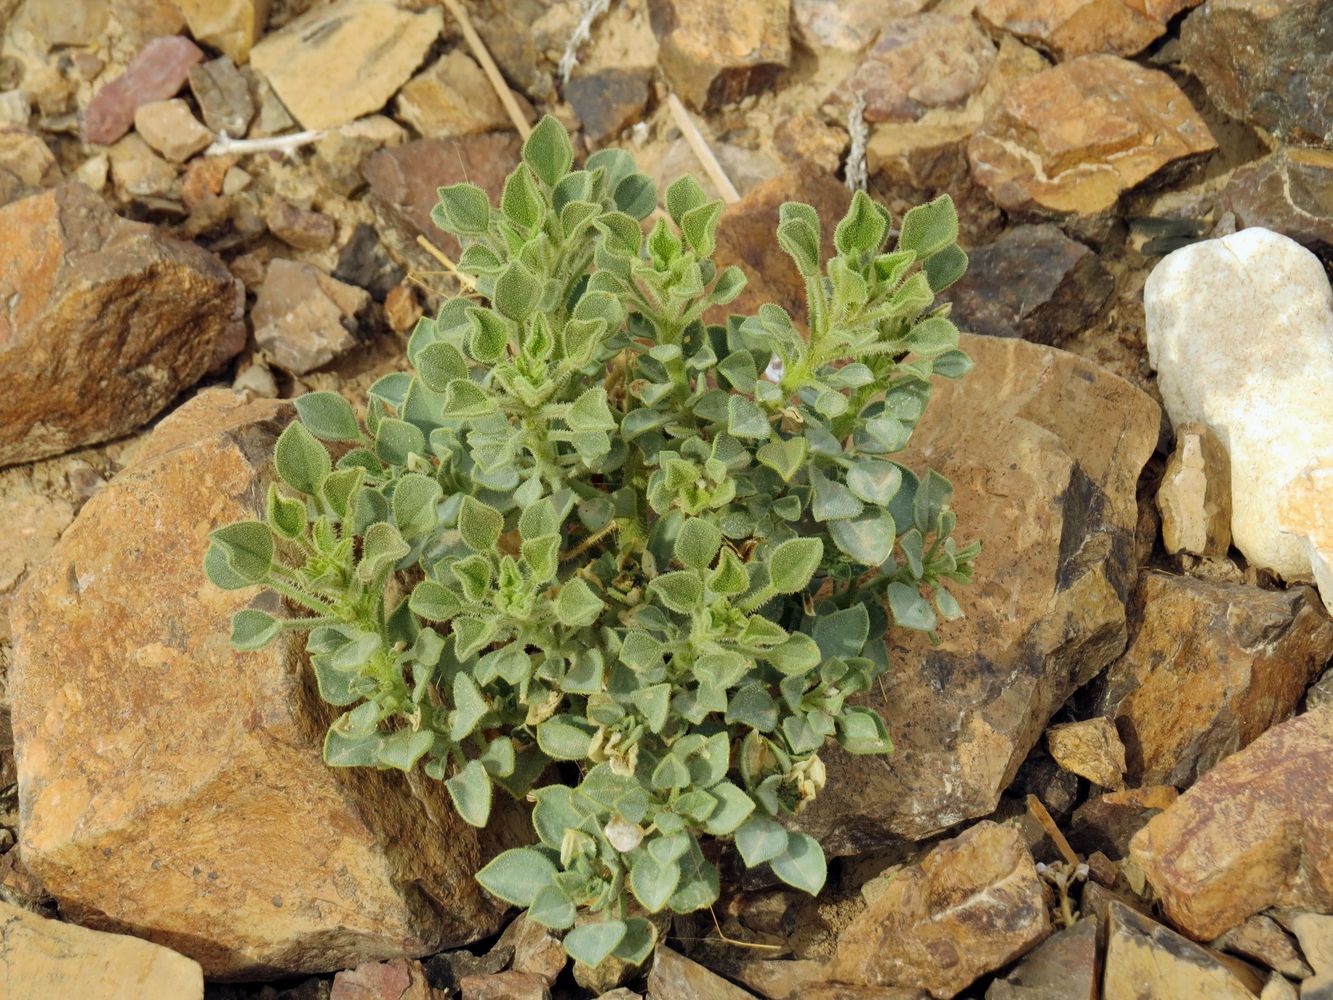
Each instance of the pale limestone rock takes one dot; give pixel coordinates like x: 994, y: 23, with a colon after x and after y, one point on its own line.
x: 49, y: 958
x: 1194, y: 498
x: 338, y: 62
x: 1240, y: 330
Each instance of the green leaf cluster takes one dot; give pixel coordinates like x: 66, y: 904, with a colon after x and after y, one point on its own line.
x: 590, y: 526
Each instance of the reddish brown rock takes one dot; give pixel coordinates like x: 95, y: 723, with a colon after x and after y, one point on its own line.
x: 403, y: 180
x: 929, y: 155
x: 505, y: 986
x: 716, y: 53
x: 400, y: 979
x: 919, y: 63
x: 298, y: 227
x: 1046, y: 616
x: 1289, y: 192
x: 1252, y: 833
x: 1072, y: 139
x: 106, y: 322
x: 973, y: 904
x: 1068, y: 28
x: 1210, y: 666
x: 49, y: 958
x: 1266, y: 63
x: 157, y: 72
x: 745, y: 238
x: 228, y: 839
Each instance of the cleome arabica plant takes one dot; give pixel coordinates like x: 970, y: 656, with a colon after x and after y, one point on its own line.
x: 613, y: 559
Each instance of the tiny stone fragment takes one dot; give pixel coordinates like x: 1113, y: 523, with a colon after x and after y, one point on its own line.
x: 223, y: 95
x: 1194, y: 498
x: 298, y: 227
x: 401, y: 309
x: 610, y: 100
x: 303, y: 318
x: 171, y: 129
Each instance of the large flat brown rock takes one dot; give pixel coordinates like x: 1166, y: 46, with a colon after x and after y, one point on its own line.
x: 1044, y: 451
x: 174, y: 788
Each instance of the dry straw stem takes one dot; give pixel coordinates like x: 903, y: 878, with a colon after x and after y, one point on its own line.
x: 492, y: 71
x: 700, y: 147
x: 449, y: 265
x: 1044, y: 818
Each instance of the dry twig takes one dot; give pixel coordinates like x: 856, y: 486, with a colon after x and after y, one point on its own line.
x: 492, y: 71
x: 700, y: 147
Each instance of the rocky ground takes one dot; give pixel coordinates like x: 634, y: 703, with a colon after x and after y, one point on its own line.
x: 1111, y: 778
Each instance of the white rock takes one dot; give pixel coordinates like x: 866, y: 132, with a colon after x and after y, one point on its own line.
x: 1240, y: 330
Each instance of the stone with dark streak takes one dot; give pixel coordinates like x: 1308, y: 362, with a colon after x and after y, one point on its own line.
x: 1210, y: 666
x: 716, y: 53
x: 1253, y: 833
x: 1044, y: 450
x: 1033, y: 282
x: 1145, y: 959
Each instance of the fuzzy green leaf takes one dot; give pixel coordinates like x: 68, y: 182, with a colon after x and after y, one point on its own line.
x: 928, y: 229
x: 577, y: 605
x: 479, y: 524
x: 463, y: 210
x: 470, y: 789
x: 593, y: 943
x: 246, y: 549
x: 253, y: 629
x: 760, y: 839
x: 802, y: 864
x: 547, y: 150
x: 328, y: 416
x: 793, y: 563
x: 517, y: 875
x: 302, y: 462
x: 680, y: 591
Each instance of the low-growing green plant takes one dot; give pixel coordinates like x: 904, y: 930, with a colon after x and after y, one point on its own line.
x: 607, y: 556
